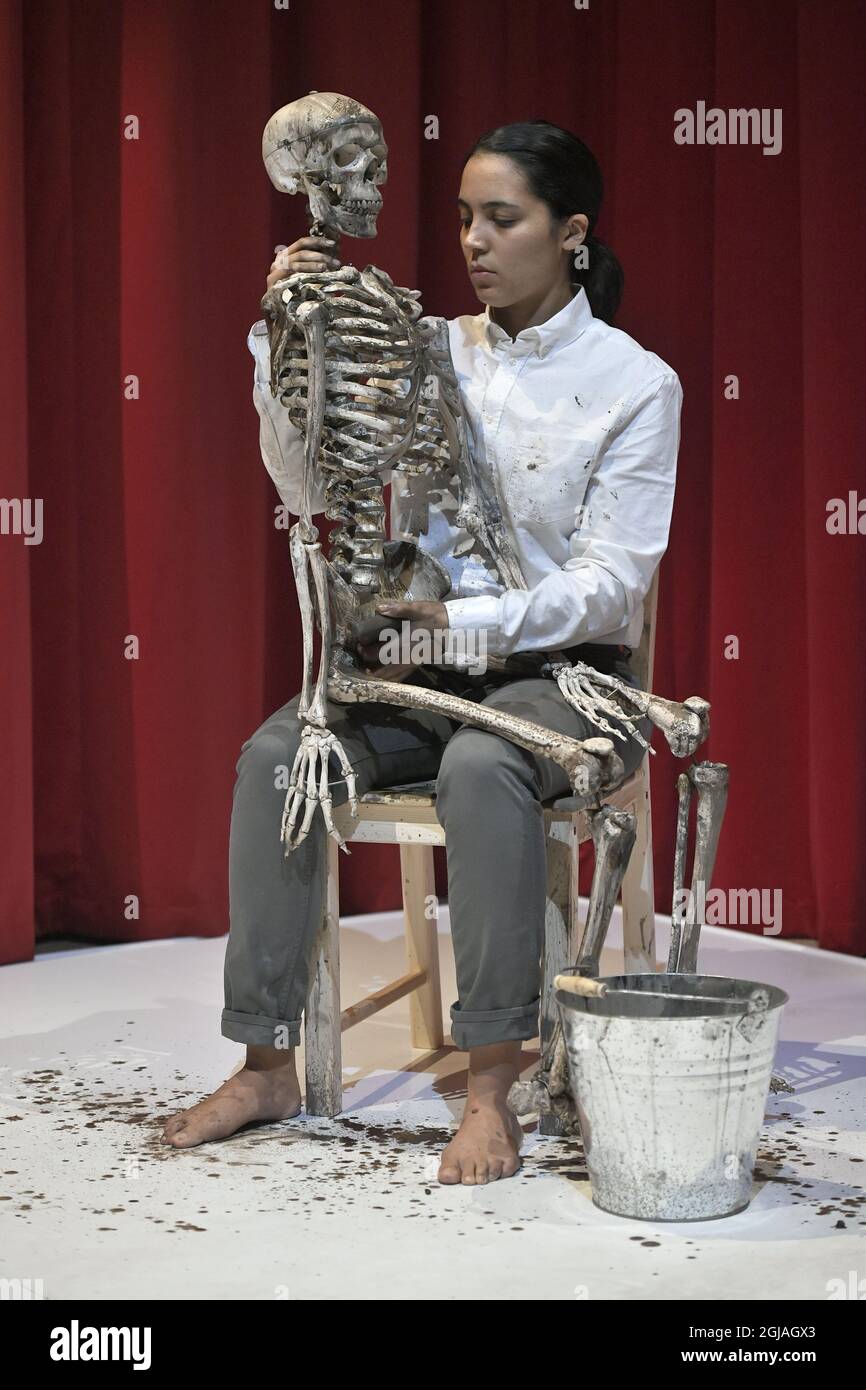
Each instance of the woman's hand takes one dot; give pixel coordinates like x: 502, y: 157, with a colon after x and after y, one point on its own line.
x: 307, y: 253
x: 423, y: 615
x: 426, y: 614
x: 388, y: 673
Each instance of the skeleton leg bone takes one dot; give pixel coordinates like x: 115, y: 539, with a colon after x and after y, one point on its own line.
x: 547, y: 1091
x: 710, y: 780
x: 684, y: 796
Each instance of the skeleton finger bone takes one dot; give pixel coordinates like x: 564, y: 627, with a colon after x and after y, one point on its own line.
x: 685, y: 726
x: 309, y: 787
x: 582, y: 695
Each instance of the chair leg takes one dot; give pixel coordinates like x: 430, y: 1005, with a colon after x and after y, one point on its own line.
x: 638, y: 901
x: 422, y: 944
x: 562, y: 844
x: 323, y: 1053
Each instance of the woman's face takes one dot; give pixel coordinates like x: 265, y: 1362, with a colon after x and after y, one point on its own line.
x: 509, y: 232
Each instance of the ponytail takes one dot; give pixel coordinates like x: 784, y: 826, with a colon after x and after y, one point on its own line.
x: 602, y: 278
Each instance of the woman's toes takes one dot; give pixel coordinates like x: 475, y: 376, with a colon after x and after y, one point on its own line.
x: 449, y: 1171
x: 173, y: 1125
x: 187, y: 1138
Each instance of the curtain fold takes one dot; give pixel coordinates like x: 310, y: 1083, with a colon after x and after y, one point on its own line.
x: 155, y: 626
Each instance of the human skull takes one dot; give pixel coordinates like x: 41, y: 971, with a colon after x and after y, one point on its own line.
x: 331, y: 148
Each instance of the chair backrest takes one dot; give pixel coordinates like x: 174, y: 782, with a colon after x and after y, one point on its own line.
x: 644, y: 658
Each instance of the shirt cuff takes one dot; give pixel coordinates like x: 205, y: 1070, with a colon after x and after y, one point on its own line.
x: 478, y: 613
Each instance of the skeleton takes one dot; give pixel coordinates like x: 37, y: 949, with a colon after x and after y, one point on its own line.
x: 370, y: 384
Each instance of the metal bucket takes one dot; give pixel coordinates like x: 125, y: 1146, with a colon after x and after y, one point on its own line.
x: 671, y: 1091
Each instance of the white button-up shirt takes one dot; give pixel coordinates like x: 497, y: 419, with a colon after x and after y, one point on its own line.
x: 578, y: 429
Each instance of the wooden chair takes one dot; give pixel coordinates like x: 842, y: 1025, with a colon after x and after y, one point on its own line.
x: 406, y: 816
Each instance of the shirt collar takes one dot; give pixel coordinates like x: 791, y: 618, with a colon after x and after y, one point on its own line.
x: 565, y: 325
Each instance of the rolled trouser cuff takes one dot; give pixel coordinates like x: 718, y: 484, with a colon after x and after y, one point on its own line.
x: 259, y: 1030
x: 480, y: 1027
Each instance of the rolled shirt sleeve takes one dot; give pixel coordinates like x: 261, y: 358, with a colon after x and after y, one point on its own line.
x: 621, y: 534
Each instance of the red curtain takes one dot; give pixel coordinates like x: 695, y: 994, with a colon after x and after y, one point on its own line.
x: 144, y: 259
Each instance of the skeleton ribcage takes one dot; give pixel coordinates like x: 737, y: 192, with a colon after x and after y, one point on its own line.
x: 380, y: 413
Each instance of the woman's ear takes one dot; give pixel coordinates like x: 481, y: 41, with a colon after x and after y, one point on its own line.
x: 577, y: 229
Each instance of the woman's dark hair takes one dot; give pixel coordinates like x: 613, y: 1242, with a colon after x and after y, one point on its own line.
x: 562, y: 171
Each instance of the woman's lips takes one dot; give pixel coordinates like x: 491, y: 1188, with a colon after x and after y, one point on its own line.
x: 480, y: 270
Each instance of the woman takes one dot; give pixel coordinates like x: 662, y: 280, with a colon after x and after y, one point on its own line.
x: 579, y: 427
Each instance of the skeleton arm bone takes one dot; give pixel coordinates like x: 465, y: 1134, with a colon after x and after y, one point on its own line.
x: 312, y: 318
x: 620, y: 534
x: 281, y: 443
x: 591, y: 764
x: 479, y: 512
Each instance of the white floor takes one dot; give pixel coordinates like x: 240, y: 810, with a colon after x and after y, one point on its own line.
x: 99, y: 1043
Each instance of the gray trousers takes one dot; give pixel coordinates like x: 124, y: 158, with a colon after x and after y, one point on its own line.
x: 489, y: 800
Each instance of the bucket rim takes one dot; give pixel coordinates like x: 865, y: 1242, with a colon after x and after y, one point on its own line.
x: 725, y: 1006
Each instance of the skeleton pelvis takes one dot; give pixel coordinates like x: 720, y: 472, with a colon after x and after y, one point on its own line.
x: 409, y: 573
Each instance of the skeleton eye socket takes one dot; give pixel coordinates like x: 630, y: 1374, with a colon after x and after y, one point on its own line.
x: 345, y: 154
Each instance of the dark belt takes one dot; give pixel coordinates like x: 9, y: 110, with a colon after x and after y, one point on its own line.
x: 602, y: 655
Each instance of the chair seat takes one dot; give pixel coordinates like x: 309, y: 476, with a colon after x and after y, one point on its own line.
x: 424, y: 794
x: 406, y: 794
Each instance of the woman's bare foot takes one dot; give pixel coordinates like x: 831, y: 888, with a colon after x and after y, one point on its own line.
x: 266, y: 1088
x: 487, y: 1144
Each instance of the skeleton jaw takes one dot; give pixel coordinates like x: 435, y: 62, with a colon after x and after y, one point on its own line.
x: 331, y: 211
